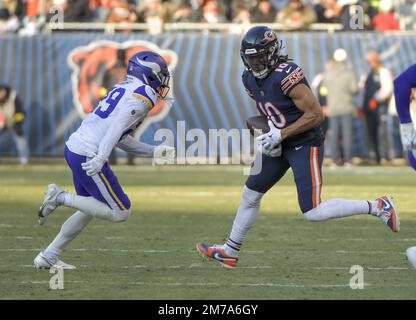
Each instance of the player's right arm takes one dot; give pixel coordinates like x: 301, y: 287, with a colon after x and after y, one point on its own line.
x: 403, y: 86
x: 305, y: 101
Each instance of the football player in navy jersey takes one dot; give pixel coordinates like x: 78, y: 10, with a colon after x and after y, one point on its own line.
x: 295, y: 140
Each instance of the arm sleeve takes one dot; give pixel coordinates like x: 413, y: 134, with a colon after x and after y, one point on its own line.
x: 132, y: 145
x: 293, y: 76
x: 403, y: 85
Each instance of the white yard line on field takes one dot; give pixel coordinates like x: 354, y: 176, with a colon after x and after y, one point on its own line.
x: 47, y: 282
x: 212, y: 266
x: 267, y: 284
x: 360, y: 252
x: 192, y: 266
x: 215, y: 284
x: 365, y: 239
x: 365, y: 267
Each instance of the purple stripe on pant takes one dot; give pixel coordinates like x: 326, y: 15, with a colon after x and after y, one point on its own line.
x: 104, y: 186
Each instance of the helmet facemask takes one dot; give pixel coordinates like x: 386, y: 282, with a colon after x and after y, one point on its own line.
x: 260, y: 63
x: 163, y: 89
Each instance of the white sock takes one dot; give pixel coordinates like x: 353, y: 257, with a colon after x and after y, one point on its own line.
x: 69, y: 230
x: 60, y: 199
x: 95, y: 208
x: 338, y: 208
x: 244, y: 220
x: 374, y: 211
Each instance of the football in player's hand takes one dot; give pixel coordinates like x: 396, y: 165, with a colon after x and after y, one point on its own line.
x: 258, y: 124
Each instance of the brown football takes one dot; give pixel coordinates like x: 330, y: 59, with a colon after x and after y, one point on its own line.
x: 258, y: 123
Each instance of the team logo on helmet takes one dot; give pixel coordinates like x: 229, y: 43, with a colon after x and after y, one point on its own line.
x: 269, y: 36
x: 104, y: 63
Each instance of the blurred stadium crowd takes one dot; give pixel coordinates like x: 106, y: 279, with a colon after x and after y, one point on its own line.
x: 28, y: 16
x: 361, y: 124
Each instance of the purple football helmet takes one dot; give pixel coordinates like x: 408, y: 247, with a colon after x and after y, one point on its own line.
x: 152, y: 69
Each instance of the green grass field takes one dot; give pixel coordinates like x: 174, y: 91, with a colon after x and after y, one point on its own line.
x: 153, y: 256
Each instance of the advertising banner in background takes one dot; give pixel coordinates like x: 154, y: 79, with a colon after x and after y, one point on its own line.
x: 60, y: 77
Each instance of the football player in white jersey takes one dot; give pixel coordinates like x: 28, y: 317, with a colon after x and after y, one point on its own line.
x: 111, y: 124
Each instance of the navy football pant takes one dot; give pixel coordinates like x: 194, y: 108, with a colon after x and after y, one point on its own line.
x: 306, y: 164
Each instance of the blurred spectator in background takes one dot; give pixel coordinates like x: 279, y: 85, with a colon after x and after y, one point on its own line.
x: 372, y: 7
x: 341, y: 83
x: 101, y: 9
x: 211, y: 12
x: 385, y: 19
x: 12, y: 117
x: 32, y: 14
x: 77, y: 10
x: 264, y: 12
x: 378, y: 89
x: 122, y: 11
x: 296, y: 15
x: 243, y: 15
x: 327, y: 11
x: 321, y: 92
x: 278, y: 4
x: 183, y: 13
x: 154, y: 14
x: 347, y: 14
x: 9, y: 23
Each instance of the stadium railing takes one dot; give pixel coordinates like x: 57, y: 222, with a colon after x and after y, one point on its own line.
x: 225, y: 27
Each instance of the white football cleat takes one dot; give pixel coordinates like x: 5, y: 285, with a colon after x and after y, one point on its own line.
x: 49, y: 203
x: 42, y: 262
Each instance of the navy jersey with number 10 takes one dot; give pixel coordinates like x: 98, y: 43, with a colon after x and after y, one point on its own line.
x: 272, y: 100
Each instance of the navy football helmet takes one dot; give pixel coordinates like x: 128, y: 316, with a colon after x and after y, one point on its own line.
x: 152, y: 69
x: 260, y: 51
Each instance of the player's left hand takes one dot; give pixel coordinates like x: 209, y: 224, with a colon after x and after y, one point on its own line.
x: 270, y: 139
x: 93, y: 166
x: 275, y: 152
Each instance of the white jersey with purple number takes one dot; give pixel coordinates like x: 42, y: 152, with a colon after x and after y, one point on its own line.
x: 116, y: 117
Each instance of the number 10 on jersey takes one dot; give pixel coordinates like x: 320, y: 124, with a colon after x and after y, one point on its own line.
x: 269, y: 110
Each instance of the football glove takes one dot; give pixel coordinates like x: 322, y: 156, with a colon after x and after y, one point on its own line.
x: 270, y: 139
x: 93, y: 166
x: 275, y: 152
x: 408, y: 135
